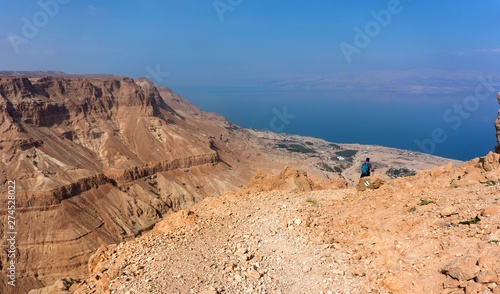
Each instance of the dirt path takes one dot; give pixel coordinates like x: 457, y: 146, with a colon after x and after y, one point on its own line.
x: 234, y: 245
x: 348, y: 173
x: 424, y: 234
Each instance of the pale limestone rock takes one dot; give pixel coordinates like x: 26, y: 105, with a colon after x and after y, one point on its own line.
x: 447, y: 211
x: 490, y: 210
x: 486, y: 277
x: 462, y: 268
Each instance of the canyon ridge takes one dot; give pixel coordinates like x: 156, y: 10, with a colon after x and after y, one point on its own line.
x: 99, y: 160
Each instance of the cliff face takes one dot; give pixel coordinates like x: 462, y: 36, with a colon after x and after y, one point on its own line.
x: 95, y: 161
x: 50, y: 101
x: 434, y: 232
x: 100, y: 159
x: 68, y: 129
x: 497, y: 126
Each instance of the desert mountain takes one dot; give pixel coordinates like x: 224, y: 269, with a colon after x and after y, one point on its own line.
x: 97, y: 160
x: 435, y: 232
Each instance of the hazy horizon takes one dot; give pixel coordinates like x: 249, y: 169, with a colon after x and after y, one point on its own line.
x: 426, y: 75
x: 347, y: 117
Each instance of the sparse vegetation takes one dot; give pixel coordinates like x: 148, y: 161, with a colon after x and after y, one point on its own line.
x: 346, y: 153
x: 325, y: 167
x: 470, y: 222
x: 412, y: 209
x: 399, y: 172
x: 491, y: 183
x: 426, y: 202
x: 232, y: 127
x: 311, y: 200
x: 296, y: 148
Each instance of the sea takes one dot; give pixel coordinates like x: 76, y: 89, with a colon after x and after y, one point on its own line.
x: 456, y: 126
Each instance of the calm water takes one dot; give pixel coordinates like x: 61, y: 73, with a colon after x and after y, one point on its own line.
x: 385, y: 119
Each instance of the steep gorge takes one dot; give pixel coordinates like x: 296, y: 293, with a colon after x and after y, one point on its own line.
x: 87, y: 155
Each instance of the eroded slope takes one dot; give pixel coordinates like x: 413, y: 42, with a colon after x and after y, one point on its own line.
x: 290, y: 233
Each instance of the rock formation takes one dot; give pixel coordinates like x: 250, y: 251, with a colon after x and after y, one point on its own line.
x: 373, y: 182
x: 497, y: 127
x: 435, y: 232
x: 97, y: 160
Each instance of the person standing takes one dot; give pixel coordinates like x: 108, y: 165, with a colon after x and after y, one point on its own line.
x: 366, y: 168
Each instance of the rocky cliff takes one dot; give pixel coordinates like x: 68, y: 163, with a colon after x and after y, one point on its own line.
x: 101, y: 159
x: 497, y: 127
x: 87, y: 156
x: 435, y: 232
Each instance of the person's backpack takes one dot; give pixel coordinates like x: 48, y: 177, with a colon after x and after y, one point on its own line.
x: 365, y: 168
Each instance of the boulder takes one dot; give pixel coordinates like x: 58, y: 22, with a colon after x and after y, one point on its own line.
x: 59, y: 287
x: 487, y: 277
x: 490, y: 210
x: 372, y: 182
x: 497, y: 127
x: 462, y: 268
x: 447, y: 211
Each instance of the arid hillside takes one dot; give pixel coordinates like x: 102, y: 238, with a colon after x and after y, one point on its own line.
x: 435, y: 232
x: 97, y: 160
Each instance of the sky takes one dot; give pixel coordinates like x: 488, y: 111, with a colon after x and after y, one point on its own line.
x: 252, y: 42
x: 419, y: 51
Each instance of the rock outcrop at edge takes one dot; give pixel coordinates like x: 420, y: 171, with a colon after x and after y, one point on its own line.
x: 497, y: 127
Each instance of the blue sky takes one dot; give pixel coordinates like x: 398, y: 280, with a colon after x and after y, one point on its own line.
x: 424, y: 57
x: 296, y: 43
